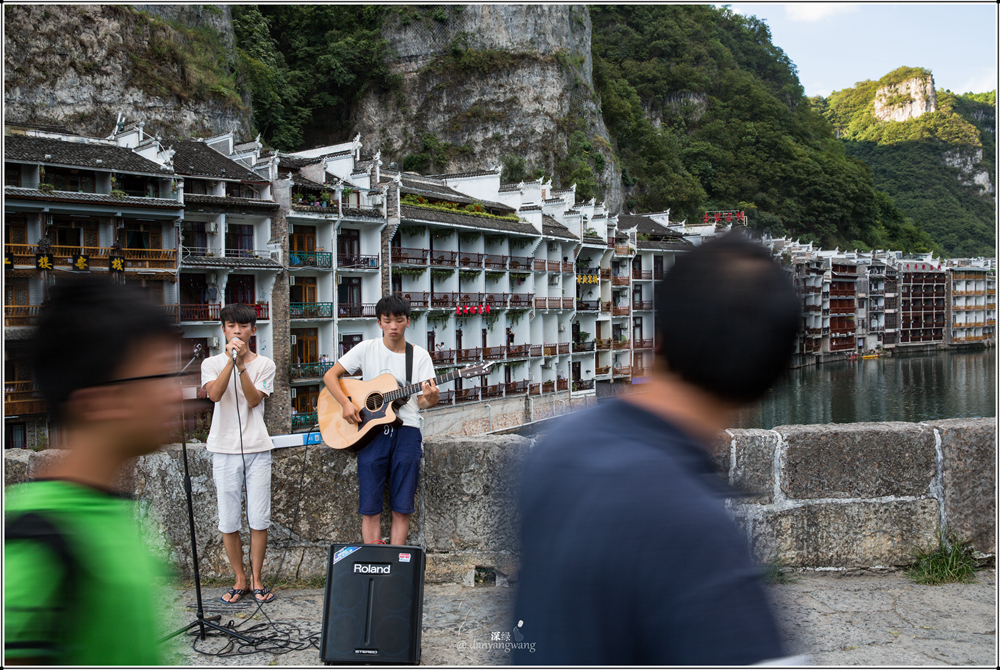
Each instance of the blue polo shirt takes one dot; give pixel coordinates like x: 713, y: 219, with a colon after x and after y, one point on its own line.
x: 628, y: 555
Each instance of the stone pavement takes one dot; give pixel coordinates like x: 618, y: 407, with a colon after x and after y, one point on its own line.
x: 838, y: 618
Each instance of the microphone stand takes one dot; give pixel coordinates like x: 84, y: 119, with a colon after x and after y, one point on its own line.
x: 200, y: 620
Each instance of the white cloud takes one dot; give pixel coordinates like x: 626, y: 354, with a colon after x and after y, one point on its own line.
x: 818, y: 11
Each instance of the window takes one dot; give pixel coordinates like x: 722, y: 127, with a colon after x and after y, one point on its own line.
x: 196, y: 186
x: 306, y: 399
x: 304, y: 290
x: 239, y: 240
x: 15, y: 230
x: 349, y: 291
x: 12, y: 174
x: 195, y: 237
x: 142, y: 235
x: 306, y: 345
x: 349, y: 242
x: 240, y: 289
x: 15, y: 436
x: 303, y: 238
x: 67, y: 179
x: 348, y: 342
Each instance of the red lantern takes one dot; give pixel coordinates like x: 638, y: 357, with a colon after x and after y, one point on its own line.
x: 729, y: 217
x: 717, y: 217
x: 705, y: 218
x: 458, y: 310
x: 487, y: 309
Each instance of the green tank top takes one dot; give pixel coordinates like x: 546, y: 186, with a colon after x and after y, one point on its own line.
x: 106, y: 616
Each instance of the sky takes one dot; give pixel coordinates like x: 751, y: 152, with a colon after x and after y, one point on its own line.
x: 835, y: 45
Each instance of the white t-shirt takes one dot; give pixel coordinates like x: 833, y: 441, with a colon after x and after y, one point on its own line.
x: 224, y: 436
x: 373, y: 358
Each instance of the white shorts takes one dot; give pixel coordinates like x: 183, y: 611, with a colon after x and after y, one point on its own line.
x: 227, y: 471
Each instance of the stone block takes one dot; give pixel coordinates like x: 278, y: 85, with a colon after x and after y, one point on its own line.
x: 753, y: 468
x: 969, y: 479
x: 858, y: 460
x: 849, y: 535
x: 468, y: 485
x: 16, y: 466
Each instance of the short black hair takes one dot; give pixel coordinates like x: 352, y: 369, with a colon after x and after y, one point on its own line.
x: 392, y: 305
x: 727, y: 316
x: 87, y: 328
x: 238, y: 313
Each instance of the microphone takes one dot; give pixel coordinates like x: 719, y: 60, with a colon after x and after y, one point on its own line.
x: 235, y: 339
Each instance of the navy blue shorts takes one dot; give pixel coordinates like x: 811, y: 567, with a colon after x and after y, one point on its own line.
x: 396, y: 452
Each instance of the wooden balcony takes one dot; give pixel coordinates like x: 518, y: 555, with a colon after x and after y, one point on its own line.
x: 605, y: 273
x: 606, y: 306
x: 601, y: 371
x: 582, y: 347
x: 469, y: 259
x: 261, y: 309
x: 518, y: 350
x: 583, y: 385
x: 550, y: 349
x: 492, y: 391
x: 443, y: 300
x: 562, y: 384
x: 443, y: 357
x: 20, y: 315
x: 417, y: 299
x: 646, y: 343
x: 356, y: 310
x: 588, y: 305
x: 539, y: 265
x: 495, y: 261
x: 642, y: 274
x: 623, y: 250
x: 535, y: 350
x: 309, y: 259
x: 567, y: 303
x: 468, y: 355
x: 642, y: 305
x: 564, y: 348
x: 620, y: 280
x: 444, y: 258
x: 603, y: 345
x: 312, y: 370
x: 611, y: 242
x: 522, y: 263
x: 549, y: 386
x: 408, y: 256
x: 496, y: 300
x: 554, y: 266
x: 534, y: 389
x: 623, y: 371
x: 540, y: 303
x: 21, y: 398
x: 657, y: 273
x: 516, y: 387
x: 446, y: 398
x: 357, y: 262
x: 621, y: 311
x: 521, y: 300
x: 135, y: 259
x: 310, y: 310
x: 467, y: 394
x: 494, y: 353
x: 471, y: 299
x: 204, y: 312
x: 620, y: 344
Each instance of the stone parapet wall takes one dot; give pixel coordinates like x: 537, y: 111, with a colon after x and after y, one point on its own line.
x: 837, y: 495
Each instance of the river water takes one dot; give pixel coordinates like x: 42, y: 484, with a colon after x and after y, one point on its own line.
x: 906, y: 387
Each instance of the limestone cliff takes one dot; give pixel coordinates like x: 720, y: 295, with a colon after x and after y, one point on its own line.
x: 905, y: 100
x: 491, y: 81
x: 78, y: 66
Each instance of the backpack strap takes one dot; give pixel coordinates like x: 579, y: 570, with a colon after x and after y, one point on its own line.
x: 36, y: 527
x: 409, y: 363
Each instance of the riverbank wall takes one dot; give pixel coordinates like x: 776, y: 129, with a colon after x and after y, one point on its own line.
x: 820, y: 496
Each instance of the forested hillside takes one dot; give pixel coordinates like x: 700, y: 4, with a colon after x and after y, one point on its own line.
x: 939, y: 167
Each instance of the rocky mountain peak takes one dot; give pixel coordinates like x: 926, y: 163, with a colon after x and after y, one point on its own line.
x: 906, y: 100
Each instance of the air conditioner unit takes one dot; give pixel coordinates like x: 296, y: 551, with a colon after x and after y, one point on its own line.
x: 213, y: 343
x: 212, y: 228
x: 562, y: 327
x: 276, y: 255
x: 546, y: 366
x: 293, y: 393
x: 291, y: 280
x: 293, y: 339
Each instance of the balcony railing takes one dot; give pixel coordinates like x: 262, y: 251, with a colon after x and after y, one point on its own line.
x: 642, y: 274
x: 496, y: 300
x: 357, y: 262
x: 567, y: 268
x: 468, y: 259
x: 467, y: 394
x: 495, y: 261
x: 580, y: 347
x: 646, y: 343
x: 310, y: 310
x: 446, y: 258
x: 588, y: 305
x: 534, y: 389
x: 605, y: 273
x: 20, y: 315
x: 622, y: 250
x: 518, y: 350
x: 567, y: 303
x: 621, y: 311
x: 304, y: 420
x: 657, y: 273
x: 549, y: 386
x: 493, y: 353
x: 468, y: 355
x: 583, y: 385
x: 535, y: 350
x: 310, y: 259
x: 642, y: 305
x: 623, y: 371
x: 602, y: 345
x: 492, y: 391
x: 355, y: 310
x: 443, y: 356
x: 21, y: 398
x: 540, y: 303
x: 620, y: 344
x: 539, y: 265
x: 417, y: 299
x: 312, y: 370
x: 606, y: 306
x: 562, y: 384
x: 601, y: 371
x: 550, y: 349
x: 408, y: 256
x: 24, y: 254
x: 520, y: 263
x: 443, y: 300
x: 446, y: 398
x: 261, y: 309
x: 554, y: 266
x: 516, y: 387
x: 205, y: 312
x: 564, y: 348
x: 521, y: 300
x: 620, y: 280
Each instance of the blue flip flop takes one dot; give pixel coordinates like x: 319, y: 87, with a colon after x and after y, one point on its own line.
x: 267, y: 595
x: 235, y: 593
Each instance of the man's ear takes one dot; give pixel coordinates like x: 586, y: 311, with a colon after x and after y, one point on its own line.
x: 95, y: 405
x: 253, y: 330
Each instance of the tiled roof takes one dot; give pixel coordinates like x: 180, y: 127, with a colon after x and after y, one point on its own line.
x: 244, y: 146
x: 358, y: 213
x: 415, y: 185
x: 665, y: 245
x: 225, y: 200
x: 95, y: 198
x: 222, y: 262
x: 644, y: 224
x: 460, y: 175
x: 531, y: 208
x: 458, y: 218
x: 296, y: 162
x: 507, y: 188
x: 299, y: 180
x: 197, y: 159
x: 553, y: 228
x: 21, y: 148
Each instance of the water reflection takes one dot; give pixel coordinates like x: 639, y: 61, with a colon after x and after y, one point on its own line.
x: 907, y: 387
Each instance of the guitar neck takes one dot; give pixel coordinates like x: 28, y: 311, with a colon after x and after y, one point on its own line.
x: 404, y: 391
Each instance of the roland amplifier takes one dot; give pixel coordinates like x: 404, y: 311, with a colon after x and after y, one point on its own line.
x: 374, y: 602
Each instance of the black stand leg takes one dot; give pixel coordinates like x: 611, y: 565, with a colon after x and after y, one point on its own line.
x: 200, y: 619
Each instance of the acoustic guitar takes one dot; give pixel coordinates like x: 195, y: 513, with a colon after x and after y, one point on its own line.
x: 377, y: 401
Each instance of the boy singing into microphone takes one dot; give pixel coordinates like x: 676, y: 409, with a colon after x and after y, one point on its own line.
x: 240, y: 445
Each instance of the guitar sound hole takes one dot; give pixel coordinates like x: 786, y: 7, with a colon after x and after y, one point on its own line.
x: 374, y: 402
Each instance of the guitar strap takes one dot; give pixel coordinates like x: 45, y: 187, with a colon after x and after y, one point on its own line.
x: 409, y: 363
